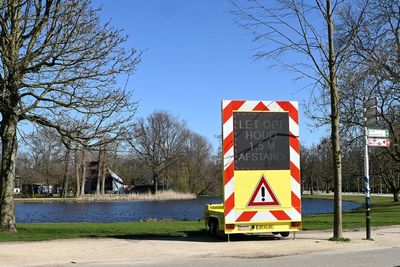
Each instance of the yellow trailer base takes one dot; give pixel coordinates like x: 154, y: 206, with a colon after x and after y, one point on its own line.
x: 214, y: 219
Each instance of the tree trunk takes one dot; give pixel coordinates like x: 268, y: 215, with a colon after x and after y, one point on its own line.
x: 83, y: 172
x: 155, y: 183
x: 396, y: 196
x: 77, y: 173
x: 8, y: 131
x: 335, y: 136
x: 392, y: 187
x: 98, y: 173
x: 64, y: 189
x: 103, y: 176
x: 311, y: 187
x: 47, y: 169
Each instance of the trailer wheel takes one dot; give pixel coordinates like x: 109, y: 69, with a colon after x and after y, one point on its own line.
x: 284, y: 234
x: 213, y: 227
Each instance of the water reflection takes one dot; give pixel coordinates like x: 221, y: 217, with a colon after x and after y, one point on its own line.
x: 139, y: 210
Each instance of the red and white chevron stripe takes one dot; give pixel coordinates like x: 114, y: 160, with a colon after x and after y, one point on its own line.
x: 232, y: 215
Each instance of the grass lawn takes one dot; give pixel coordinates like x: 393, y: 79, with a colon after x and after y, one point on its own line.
x: 383, y: 211
x: 48, y: 231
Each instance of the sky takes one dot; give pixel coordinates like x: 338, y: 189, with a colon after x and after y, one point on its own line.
x: 194, y: 57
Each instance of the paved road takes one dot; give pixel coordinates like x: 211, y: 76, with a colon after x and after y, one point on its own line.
x: 375, y: 257
x: 310, y: 248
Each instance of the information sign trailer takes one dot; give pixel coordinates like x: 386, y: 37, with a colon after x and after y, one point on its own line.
x: 261, y: 160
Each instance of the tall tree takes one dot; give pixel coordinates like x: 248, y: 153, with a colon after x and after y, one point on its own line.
x: 77, y: 163
x: 47, y: 151
x: 389, y: 171
x: 84, y: 158
x: 57, y: 61
x: 197, y: 162
x: 308, y: 163
x: 373, y: 71
x: 64, y: 187
x: 159, y: 142
x: 287, y: 27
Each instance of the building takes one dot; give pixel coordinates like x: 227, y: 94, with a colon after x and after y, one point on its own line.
x: 113, y: 183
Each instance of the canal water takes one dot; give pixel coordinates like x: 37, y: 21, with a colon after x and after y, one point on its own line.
x: 127, y: 211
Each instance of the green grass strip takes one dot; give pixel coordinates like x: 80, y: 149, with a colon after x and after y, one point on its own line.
x: 383, y: 211
x: 128, y: 230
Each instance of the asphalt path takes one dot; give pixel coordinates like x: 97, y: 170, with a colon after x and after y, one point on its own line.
x: 366, y: 258
x: 309, y: 248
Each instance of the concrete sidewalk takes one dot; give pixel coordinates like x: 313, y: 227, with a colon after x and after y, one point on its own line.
x: 120, y: 252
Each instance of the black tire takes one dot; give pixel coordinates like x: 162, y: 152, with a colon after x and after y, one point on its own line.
x: 284, y: 234
x: 213, y: 227
x: 209, y: 224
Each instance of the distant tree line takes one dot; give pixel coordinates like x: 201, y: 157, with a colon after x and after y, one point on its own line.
x: 159, y: 151
x: 317, y: 173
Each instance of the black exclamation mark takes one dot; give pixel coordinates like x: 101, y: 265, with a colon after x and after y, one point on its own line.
x: 263, y: 193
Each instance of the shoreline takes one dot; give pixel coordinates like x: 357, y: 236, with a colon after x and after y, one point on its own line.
x: 160, y: 196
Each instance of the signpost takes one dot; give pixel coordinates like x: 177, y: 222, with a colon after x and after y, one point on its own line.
x: 372, y: 102
x: 378, y: 133
x: 370, y: 118
x: 371, y: 112
x: 372, y: 138
x: 370, y: 121
x: 379, y: 142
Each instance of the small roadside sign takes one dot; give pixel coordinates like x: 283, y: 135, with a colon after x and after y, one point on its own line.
x: 371, y: 121
x: 379, y: 142
x: 371, y: 112
x: 378, y: 133
x: 370, y: 117
x: 370, y: 102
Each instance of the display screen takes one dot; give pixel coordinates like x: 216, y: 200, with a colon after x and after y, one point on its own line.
x: 261, y: 140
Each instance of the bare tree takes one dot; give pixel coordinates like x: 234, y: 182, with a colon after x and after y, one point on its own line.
x: 84, y: 158
x: 197, y: 162
x: 306, y: 29
x: 325, y: 158
x: 308, y: 163
x: 104, y: 163
x: 67, y: 159
x: 375, y: 72
x: 388, y: 169
x: 78, y: 172
x: 159, y: 142
x: 46, y: 151
x: 99, y: 169
x: 57, y: 61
